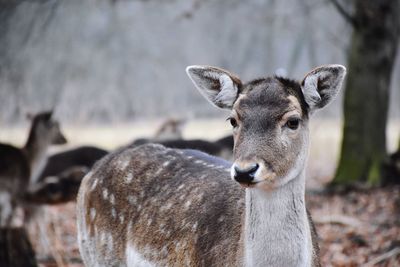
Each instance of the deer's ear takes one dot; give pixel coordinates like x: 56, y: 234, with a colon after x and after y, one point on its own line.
x: 217, y: 85
x: 48, y: 114
x: 29, y: 116
x: 321, y: 85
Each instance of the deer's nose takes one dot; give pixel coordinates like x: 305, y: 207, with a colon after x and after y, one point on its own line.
x: 245, y: 175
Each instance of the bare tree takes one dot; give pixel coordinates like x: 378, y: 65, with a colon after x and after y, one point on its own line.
x: 371, y: 57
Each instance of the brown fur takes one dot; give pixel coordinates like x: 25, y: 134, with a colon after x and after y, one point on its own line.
x: 17, y: 165
x: 158, y: 196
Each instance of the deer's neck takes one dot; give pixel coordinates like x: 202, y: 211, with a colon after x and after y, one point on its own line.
x: 36, y: 151
x: 277, y: 231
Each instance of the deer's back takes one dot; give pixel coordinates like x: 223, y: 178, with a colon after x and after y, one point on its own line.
x: 151, y: 205
x: 81, y: 156
x: 14, y: 169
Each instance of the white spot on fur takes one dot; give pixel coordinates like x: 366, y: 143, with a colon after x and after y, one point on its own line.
x: 121, y: 218
x: 165, y: 187
x: 194, y: 227
x: 129, y: 229
x: 112, y: 199
x: 200, y: 196
x: 134, y: 258
x: 164, y: 251
x: 123, y: 164
x: 132, y: 200
x: 113, y: 213
x: 165, y: 164
x: 167, y: 206
x: 203, y: 176
x: 92, y: 214
x: 180, y: 187
x: 185, y: 175
x: 158, y: 171
x: 187, y: 204
x: 129, y: 177
x: 103, y: 238
x: 172, y: 158
x: 110, y: 243
x: 105, y: 193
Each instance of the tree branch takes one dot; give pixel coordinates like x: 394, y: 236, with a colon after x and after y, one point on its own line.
x: 346, y: 15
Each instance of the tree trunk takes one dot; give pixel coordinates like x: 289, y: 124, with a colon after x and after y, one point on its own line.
x: 371, y: 58
x: 15, y: 248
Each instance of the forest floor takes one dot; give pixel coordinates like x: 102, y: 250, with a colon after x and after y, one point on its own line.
x: 359, y: 228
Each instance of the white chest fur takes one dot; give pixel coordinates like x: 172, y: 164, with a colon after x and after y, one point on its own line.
x: 277, y: 229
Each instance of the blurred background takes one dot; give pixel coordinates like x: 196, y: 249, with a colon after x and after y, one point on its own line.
x: 119, y: 61
x: 114, y: 71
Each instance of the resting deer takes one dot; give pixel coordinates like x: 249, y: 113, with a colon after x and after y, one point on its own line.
x: 170, y: 129
x: 154, y: 206
x: 21, y: 167
x: 83, y: 156
x: 218, y: 148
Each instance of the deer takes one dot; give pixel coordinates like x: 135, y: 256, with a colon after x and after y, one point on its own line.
x: 82, y: 156
x: 170, y: 129
x: 156, y: 206
x: 216, y: 148
x: 57, y: 189
x: 21, y: 167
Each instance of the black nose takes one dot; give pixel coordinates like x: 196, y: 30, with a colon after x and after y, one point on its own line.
x: 245, y: 175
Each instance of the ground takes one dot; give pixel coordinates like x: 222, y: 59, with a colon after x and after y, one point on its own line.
x: 355, y: 229
x: 358, y: 228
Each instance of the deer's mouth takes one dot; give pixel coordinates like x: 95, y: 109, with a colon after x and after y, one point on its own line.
x: 249, y: 184
x: 267, y: 183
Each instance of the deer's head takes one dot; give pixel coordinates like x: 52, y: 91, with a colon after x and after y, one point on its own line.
x: 46, y: 129
x: 270, y: 119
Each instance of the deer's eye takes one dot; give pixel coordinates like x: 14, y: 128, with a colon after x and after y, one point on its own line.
x: 293, y: 123
x: 233, y: 122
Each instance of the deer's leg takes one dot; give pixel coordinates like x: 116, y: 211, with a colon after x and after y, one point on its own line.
x: 6, y: 208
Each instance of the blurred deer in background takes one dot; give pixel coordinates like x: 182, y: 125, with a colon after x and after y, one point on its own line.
x: 83, y: 156
x: 170, y: 135
x: 154, y: 206
x: 220, y: 148
x: 21, y: 167
x: 170, y: 129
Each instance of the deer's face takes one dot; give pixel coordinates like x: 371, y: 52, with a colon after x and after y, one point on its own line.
x: 269, y: 119
x: 47, y: 129
x: 270, y: 128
